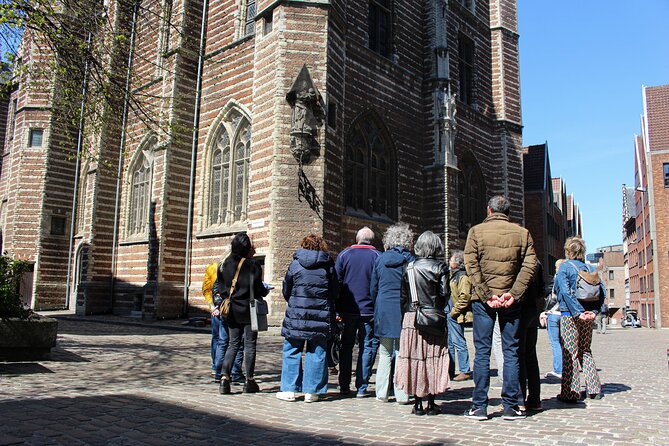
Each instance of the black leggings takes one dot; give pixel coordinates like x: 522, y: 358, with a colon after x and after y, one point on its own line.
x: 250, y: 337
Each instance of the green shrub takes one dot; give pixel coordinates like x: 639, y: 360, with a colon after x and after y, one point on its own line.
x: 10, y: 278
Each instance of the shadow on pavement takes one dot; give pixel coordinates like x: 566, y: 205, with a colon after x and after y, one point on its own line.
x: 23, y: 368
x: 134, y: 420
x: 608, y: 388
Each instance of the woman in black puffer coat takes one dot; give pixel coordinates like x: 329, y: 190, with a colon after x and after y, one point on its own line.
x: 310, y: 287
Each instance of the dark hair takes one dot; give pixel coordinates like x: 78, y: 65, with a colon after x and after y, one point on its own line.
x: 241, y: 244
x: 499, y: 203
x: 314, y: 242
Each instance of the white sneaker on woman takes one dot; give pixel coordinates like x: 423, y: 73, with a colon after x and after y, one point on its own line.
x: 311, y: 397
x: 286, y: 396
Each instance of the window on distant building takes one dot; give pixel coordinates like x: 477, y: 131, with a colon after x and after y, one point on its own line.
x: 612, y: 293
x: 249, y: 21
x: 267, y: 24
x: 229, y: 171
x: 12, y: 120
x: 57, y: 225
x: 369, y: 179
x: 471, y: 194
x: 379, y: 26
x: 610, y: 275
x: 35, y: 138
x: 81, y: 201
x: 140, y: 194
x: 665, y: 169
x: 466, y: 69
x: 469, y: 4
x: 164, y: 27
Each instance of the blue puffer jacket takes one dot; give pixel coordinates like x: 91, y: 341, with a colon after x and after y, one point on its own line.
x: 310, y: 287
x: 385, y: 290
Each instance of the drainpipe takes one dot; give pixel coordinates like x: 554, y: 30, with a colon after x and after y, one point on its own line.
x: 121, y: 147
x: 193, y: 154
x: 75, y: 195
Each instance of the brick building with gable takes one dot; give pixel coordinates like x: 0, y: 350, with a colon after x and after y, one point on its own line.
x: 310, y: 116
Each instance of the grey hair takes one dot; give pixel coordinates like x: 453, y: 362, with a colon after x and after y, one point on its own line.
x: 459, y: 256
x: 364, y: 236
x: 399, y: 234
x: 429, y: 245
x: 499, y: 203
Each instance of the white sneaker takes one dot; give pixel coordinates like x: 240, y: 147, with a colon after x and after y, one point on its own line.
x: 311, y: 397
x: 286, y: 396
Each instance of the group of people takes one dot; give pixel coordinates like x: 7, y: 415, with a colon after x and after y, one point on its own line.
x: 410, y: 307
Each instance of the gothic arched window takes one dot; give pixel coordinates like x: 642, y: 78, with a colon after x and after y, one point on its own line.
x: 229, y: 172
x: 369, y: 166
x: 140, y: 195
x: 472, y: 196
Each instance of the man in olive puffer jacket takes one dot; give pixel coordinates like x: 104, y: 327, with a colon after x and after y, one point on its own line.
x: 500, y: 262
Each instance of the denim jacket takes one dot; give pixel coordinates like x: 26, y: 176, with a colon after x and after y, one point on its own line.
x: 565, y: 283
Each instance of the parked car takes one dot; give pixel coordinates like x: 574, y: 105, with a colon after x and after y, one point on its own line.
x: 631, y: 319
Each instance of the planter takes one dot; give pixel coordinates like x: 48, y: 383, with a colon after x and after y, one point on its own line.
x: 27, y: 339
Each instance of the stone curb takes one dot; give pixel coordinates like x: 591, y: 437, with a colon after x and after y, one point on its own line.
x: 273, y: 331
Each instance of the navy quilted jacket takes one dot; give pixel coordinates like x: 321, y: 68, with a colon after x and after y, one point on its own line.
x: 310, y: 287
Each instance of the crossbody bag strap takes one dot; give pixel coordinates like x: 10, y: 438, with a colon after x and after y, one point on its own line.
x: 412, y: 283
x: 234, y: 279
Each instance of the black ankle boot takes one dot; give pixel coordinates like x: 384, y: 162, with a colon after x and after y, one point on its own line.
x: 418, y: 407
x: 432, y: 408
x: 251, y: 386
x: 224, y: 388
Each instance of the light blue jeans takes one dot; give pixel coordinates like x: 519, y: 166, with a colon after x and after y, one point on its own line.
x: 553, y: 328
x: 314, y: 378
x: 457, y: 342
x: 384, y: 373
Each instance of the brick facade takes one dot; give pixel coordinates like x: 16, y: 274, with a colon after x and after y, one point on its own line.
x: 250, y: 63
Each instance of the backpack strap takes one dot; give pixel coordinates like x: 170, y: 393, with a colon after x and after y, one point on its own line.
x: 234, y: 279
x: 412, y: 283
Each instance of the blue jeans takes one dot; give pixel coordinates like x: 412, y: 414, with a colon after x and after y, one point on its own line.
x: 361, y: 327
x: 553, y: 328
x: 457, y: 342
x: 314, y: 377
x: 484, y: 323
x: 220, y: 338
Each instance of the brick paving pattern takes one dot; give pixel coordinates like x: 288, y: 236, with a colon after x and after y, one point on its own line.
x: 132, y: 385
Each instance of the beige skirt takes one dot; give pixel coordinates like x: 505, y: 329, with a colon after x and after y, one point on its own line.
x: 422, y: 361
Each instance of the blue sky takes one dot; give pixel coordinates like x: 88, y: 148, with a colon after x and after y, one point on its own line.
x: 582, y: 66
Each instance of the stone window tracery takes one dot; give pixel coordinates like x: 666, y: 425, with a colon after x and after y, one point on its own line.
x: 229, y: 172
x: 472, y: 196
x: 140, y: 195
x: 369, y: 179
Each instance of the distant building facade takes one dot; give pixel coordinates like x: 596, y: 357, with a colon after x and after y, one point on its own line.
x: 611, y: 267
x: 315, y: 117
x: 648, y: 241
x: 545, y: 202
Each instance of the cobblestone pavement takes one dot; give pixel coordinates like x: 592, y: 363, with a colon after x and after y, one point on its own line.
x: 128, y: 385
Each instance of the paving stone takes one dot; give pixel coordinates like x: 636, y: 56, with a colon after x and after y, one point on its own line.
x: 137, y: 385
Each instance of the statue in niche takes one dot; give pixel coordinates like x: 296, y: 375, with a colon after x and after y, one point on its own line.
x: 449, y: 124
x: 307, y: 115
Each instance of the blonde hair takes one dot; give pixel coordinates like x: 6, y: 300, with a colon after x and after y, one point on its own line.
x: 559, y: 262
x: 574, y: 248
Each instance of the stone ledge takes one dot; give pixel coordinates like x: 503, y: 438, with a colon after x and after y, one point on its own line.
x: 25, y: 339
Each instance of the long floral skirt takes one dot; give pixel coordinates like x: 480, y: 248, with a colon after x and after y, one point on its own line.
x: 422, y: 361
